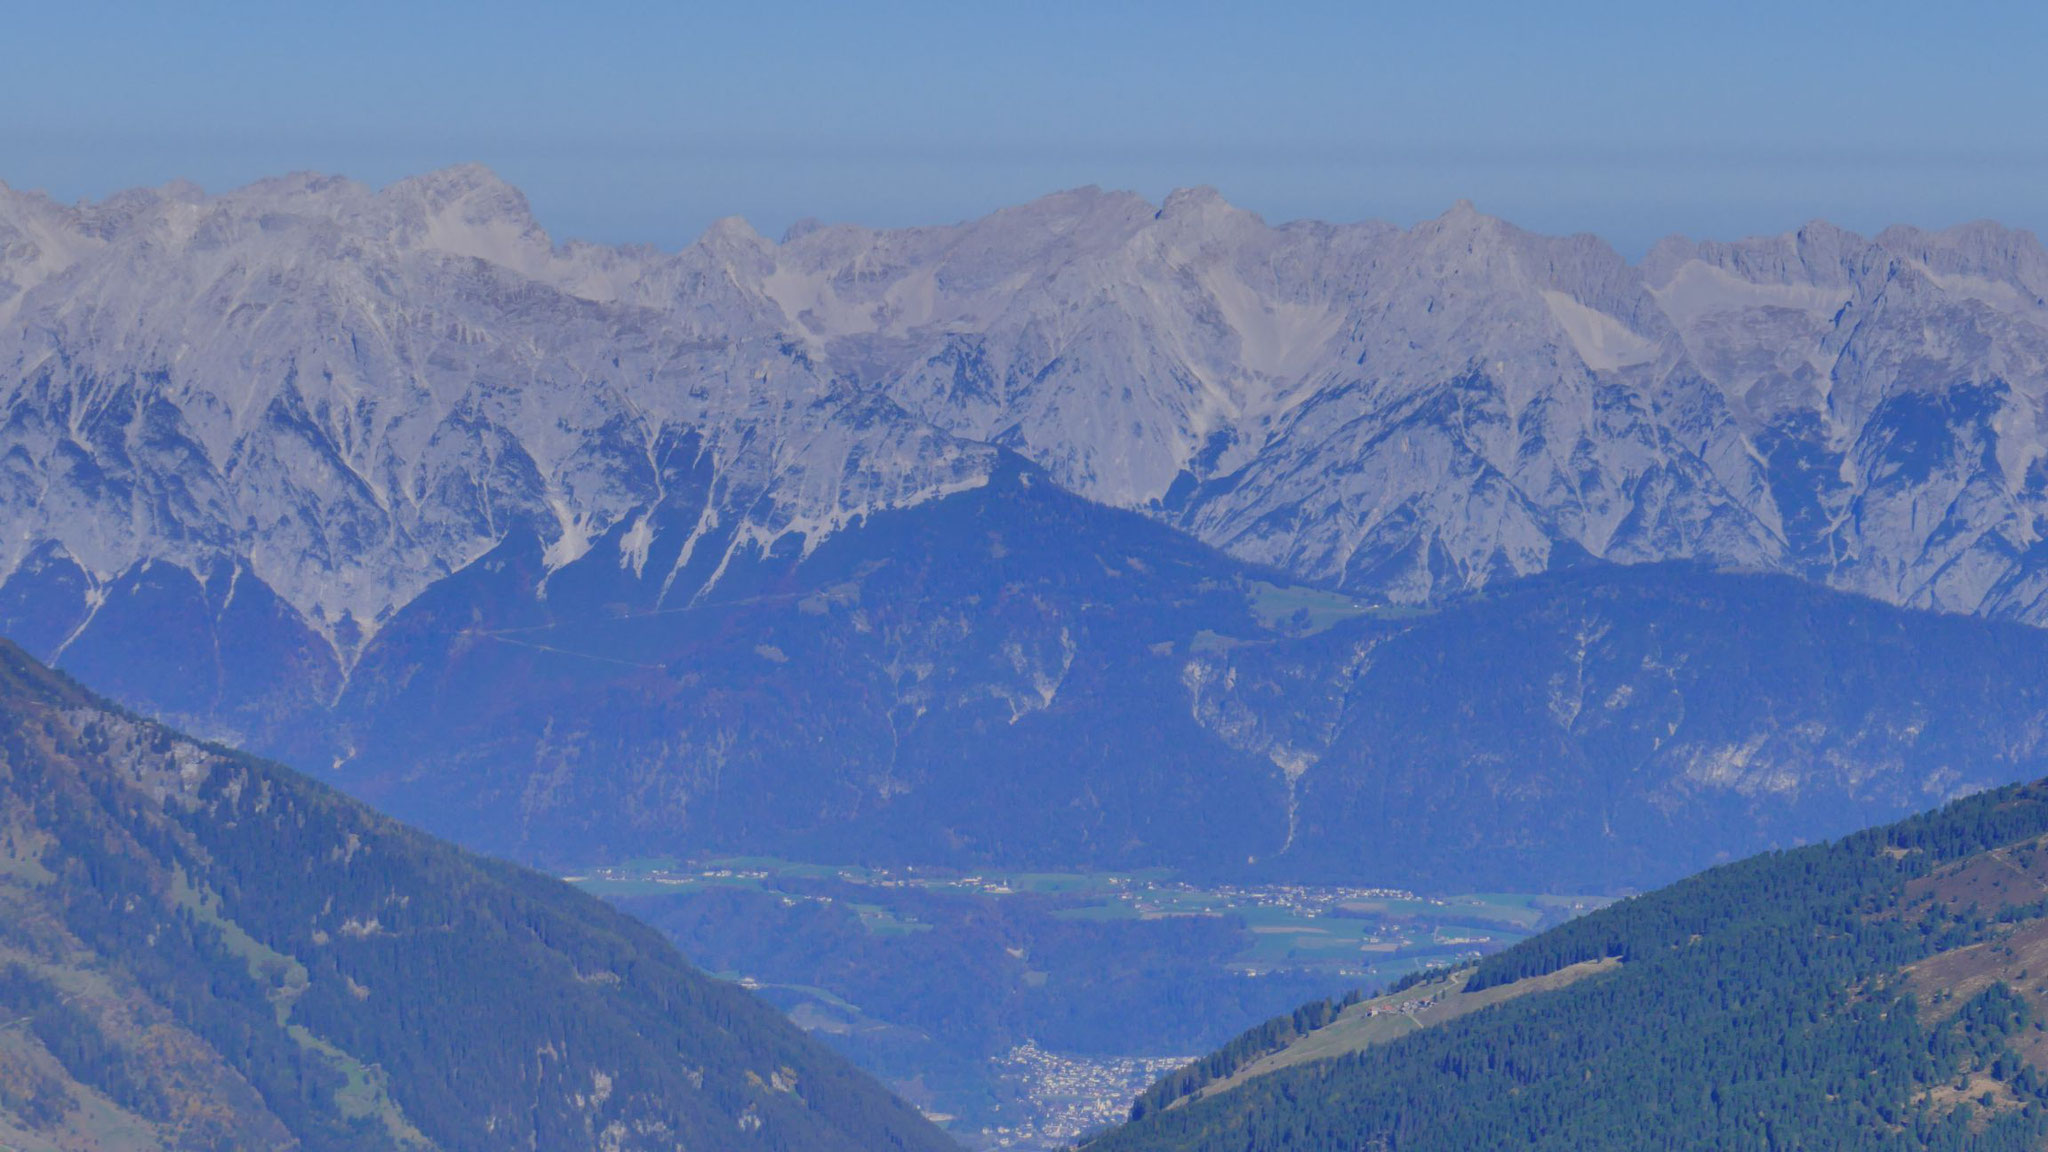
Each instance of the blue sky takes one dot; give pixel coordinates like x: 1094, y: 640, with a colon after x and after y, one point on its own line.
x: 647, y: 121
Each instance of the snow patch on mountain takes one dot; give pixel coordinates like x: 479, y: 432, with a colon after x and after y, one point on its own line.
x: 1604, y: 343
x: 358, y: 393
x: 354, y: 393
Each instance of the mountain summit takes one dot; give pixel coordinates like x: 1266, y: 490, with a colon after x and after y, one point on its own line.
x: 347, y: 393
x: 304, y: 464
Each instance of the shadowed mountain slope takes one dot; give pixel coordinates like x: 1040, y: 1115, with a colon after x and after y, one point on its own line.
x: 203, y: 950
x: 349, y: 393
x: 571, y: 549
x: 1017, y: 677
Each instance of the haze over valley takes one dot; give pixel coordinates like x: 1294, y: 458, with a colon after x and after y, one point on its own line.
x: 1058, y: 578
x: 1095, y: 537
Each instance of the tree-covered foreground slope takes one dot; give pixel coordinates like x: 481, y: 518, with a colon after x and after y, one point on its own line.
x: 1885, y: 991
x: 200, y: 950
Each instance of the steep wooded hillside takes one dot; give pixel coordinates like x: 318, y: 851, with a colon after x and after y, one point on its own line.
x: 203, y: 950
x: 1885, y: 991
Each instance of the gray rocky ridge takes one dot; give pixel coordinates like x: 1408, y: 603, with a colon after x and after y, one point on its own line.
x: 349, y: 394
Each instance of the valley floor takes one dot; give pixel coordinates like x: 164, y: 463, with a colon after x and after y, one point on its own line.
x: 1024, y: 1010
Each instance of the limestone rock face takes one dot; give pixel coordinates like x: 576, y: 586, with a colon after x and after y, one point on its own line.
x: 350, y: 394
x: 1405, y: 413
x: 825, y: 543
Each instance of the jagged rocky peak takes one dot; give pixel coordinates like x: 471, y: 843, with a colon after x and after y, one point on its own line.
x: 1462, y: 221
x: 1087, y: 215
x: 1205, y: 214
x: 474, y: 189
x: 847, y: 281
x: 2004, y: 267
x: 39, y: 238
x: 352, y: 393
x: 733, y: 232
x: 468, y: 211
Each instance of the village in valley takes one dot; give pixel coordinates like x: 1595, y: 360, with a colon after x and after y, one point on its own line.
x: 1295, y: 941
x: 1370, y: 933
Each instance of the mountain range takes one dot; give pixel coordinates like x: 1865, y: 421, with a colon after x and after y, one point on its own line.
x: 348, y: 394
x: 1093, y: 535
x: 571, y: 550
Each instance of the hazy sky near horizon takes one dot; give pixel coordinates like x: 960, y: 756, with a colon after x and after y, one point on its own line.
x: 645, y: 122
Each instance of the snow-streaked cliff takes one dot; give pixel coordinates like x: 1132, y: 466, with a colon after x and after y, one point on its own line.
x: 352, y: 393
x: 356, y: 393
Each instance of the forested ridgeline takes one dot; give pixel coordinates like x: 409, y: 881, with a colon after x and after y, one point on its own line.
x: 1267, y: 1038
x: 215, y: 952
x: 1784, y: 1001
